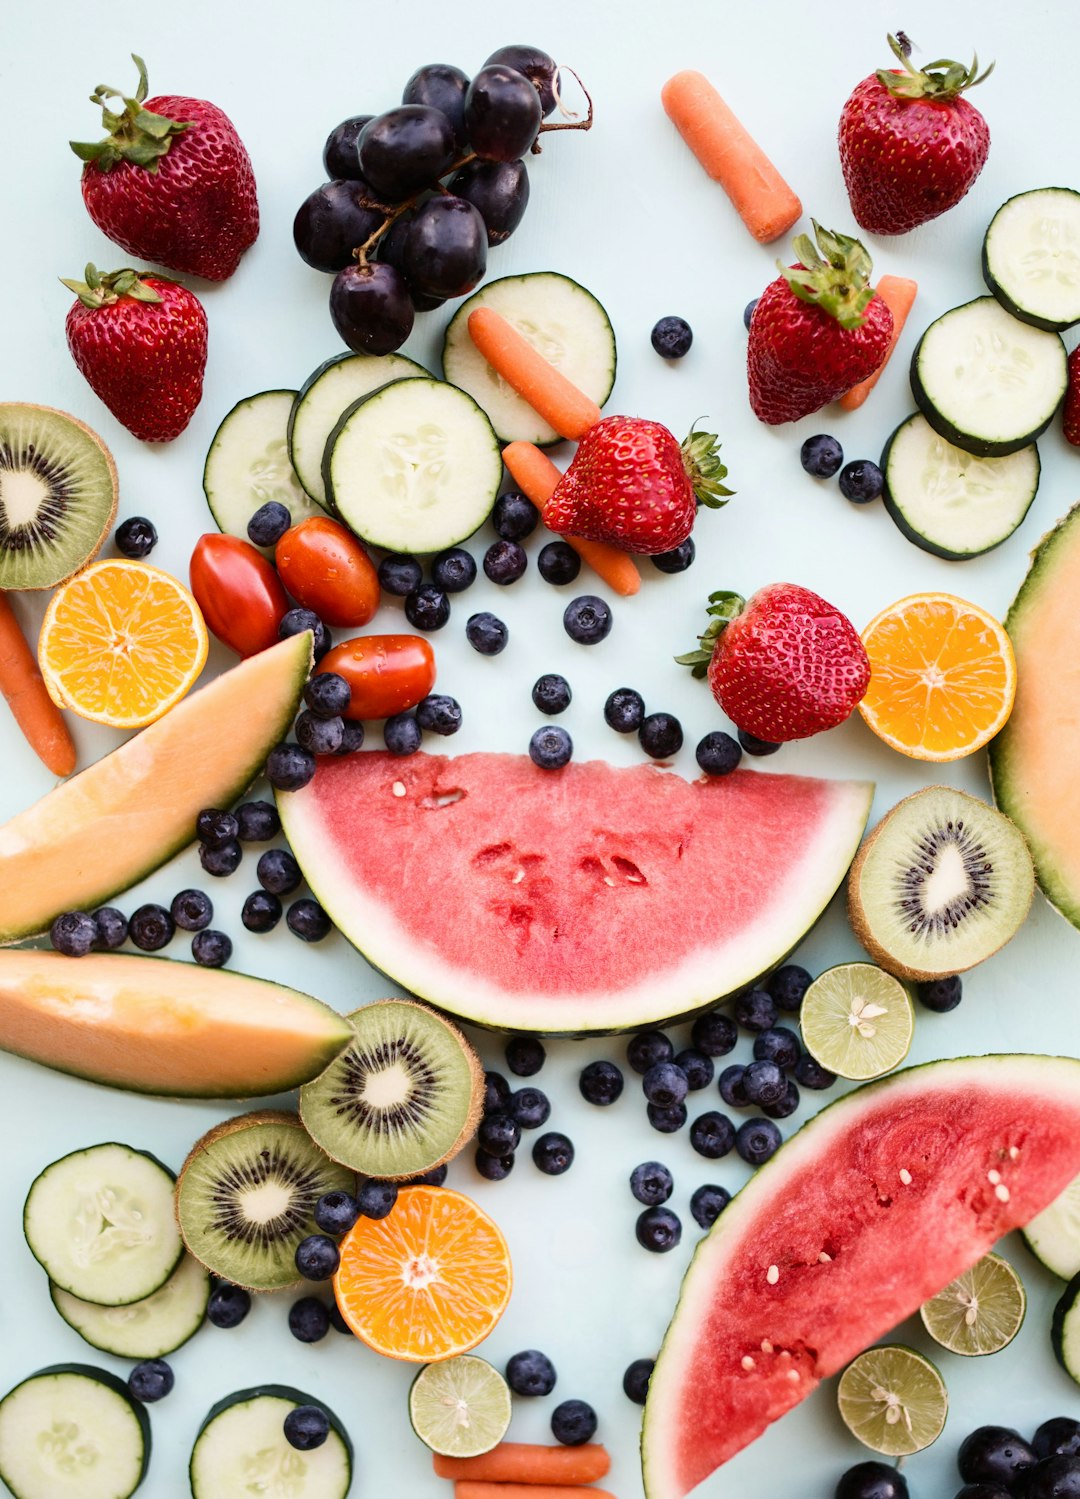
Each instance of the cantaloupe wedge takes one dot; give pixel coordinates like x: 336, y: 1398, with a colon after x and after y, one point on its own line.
x: 157, y: 1026
x: 99, y: 832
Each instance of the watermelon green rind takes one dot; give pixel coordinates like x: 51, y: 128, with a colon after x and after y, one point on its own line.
x: 1032, y: 1101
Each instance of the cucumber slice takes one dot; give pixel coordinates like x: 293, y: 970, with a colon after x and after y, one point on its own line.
x: 1031, y: 257
x: 322, y: 398
x: 1065, y: 1330
x: 248, y: 464
x: 72, y: 1430
x: 145, y: 1329
x: 951, y: 502
x: 1054, y: 1235
x: 101, y: 1223
x: 559, y: 318
x: 414, y: 467
x: 241, y: 1449
x: 986, y: 382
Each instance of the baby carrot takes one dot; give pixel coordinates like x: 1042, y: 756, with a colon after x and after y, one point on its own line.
x: 550, y: 394
x: 537, y: 477
x: 470, y: 1489
x: 528, y: 1463
x: 35, y: 712
x: 730, y: 155
x: 898, y: 294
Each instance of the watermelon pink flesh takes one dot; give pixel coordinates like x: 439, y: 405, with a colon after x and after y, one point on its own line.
x: 581, y: 899
x: 867, y: 1212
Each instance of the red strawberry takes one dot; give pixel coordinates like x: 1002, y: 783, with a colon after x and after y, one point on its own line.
x: 632, y: 485
x: 171, y: 183
x: 784, y: 665
x: 1070, y: 417
x: 141, y: 343
x: 816, y: 331
x: 910, y: 146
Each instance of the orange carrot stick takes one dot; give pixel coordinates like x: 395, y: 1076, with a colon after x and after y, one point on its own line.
x: 472, y: 1489
x: 528, y: 1463
x: 731, y: 156
x: 537, y: 477
x: 898, y: 294
x: 550, y: 394
x: 35, y: 712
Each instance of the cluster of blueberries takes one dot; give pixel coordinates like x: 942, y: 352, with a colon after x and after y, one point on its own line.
x: 508, y: 1111
x: 531, y: 1373
x: 995, y: 1462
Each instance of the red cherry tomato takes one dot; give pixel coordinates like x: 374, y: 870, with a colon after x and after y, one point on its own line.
x: 325, y: 568
x: 387, y: 673
x: 239, y: 593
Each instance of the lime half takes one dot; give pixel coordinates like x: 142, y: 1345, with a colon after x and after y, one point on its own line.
x: 857, y: 1020
x: 980, y: 1311
x: 460, y: 1407
x: 893, y: 1400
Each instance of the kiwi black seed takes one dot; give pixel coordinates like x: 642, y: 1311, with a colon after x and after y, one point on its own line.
x: 246, y: 1197
x: 58, y: 493
x: 942, y: 882
x: 405, y: 1096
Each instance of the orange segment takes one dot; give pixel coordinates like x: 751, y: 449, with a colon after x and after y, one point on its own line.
x: 426, y: 1282
x: 942, y: 676
x: 121, y: 643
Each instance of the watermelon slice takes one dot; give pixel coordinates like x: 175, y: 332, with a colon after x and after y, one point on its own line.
x: 868, y: 1211
x: 585, y: 899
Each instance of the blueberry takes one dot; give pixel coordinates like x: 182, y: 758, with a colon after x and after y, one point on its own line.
x: 376, y: 1199
x: 809, y: 1073
x: 257, y: 822
x: 135, y: 537
x: 1053, y: 1478
x: 317, y: 1257
x: 498, y: 1134
x: 1058, y: 1437
x: 151, y: 1380
x: 322, y: 736
x: 495, y: 1168
x: 530, y: 1373
x: 352, y: 737
x: 755, y: 746
x: 658, y: 1229
x: 496, y: 1093
x: 336, y: 1212
x: 551, y: 693
x: 647, y: 1048
x: 994, y: 1454
x: 453, y: 570
x: 337, y: 1321
x: 551, y: 747
x: 402, y: 734
x: 672, y: 337
x: 228, y: 1305
x: 74, y: 934
x: 757, y: 1140
x: 601, y: 1083
x: 697, y: 1066
x: 666, y: 1121
x: 514, y: 516
x: 872, y: 1480
x: 624, y: 710
x: 211, y: 949
x: 715, y: 1034
x: 941, y: 995
x: 525, y: 1055
x: 983, y: 1491
x: 748, y: 313
x: 764, y: 1083
x: 718, y: 754
x: 215, y: 827
x: 587, y: 619
x: 529, y: 1107
x: 112, y: 928
x: 661, y: 735
x: 504, y: 562
x: 438, y: 713
x: 278, y: 872
x: 861, y: 481
x: 784, y: 1107
x: 309, y: 1321
x: 261, y: 911
x: 635, y: 1381
x: 707, y: 1203
x: 486, y: 633
x: 222, y: 860
x: 433, y: 1178
x: 289, y: 767
x: 755, y: 1010
x: 399, y: 575
x: 732, y: 1087
x: 427, y: 607
x: 788, y: 985
x: 779, y: 1045
x: 821, y: 456
x: 553, y: 1153
x: 306, y: 1427
x: 296, y: 621
x: 558, y: 563
x: 712, y: 1135
x: 307, y: 920
x: 573, y: 1423
x: 151, y: 927
x: 665, y: 1084
x: 269, y: 524
x: 678, y: 559
x: 651, y: 1183
x: 327, y: 694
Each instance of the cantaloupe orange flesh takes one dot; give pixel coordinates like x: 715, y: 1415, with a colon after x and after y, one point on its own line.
x: 157, y: 1026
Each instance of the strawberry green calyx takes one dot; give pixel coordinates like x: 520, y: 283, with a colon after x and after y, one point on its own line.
x: 135, y: 134
x: 96, y: 290
x: 724, y: 606
x: 701, y: 459
x: 834, y: 274
x: 928, y: 82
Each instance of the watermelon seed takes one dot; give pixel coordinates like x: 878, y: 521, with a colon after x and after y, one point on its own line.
x: 793, y: 1375
x: 766, y: 1346
x: 905, y: 1176
x: 398, y: 788
x: 747, y: 1362
x: 993, y: 1177
x: 772, y: 1275
x: 824, y: 1259
x: 1001, y: 1192
x: 1014, y: 1152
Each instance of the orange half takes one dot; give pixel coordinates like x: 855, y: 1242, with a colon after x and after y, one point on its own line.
x: 428, y: 1281
x: 942, y: 676
x: 121, y: 643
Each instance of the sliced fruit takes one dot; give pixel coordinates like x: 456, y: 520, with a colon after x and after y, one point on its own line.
x: 1031, y: 257
x: 812, y: 1261
x: 942, y: 677
x: 979, y: 1312
x: 117, y: 821
x: 569, y: 901
x: 857, y: 1020
x: 150, y: 1328
x: 1065, y: 1330
x: 73, y: 1430
x: 248, y: 464
x: 428, y: 1281
x: 1054, y: 1236
x: 460, y: 1408
x: 241, y: 1448
x: 246, y: 1196
x: 942, y: 882
x: 58, y: 493
x: 893, y: 1400
x: 404, y: 1097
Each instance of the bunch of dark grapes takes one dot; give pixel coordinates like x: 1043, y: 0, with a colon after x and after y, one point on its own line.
x: 418, y: 194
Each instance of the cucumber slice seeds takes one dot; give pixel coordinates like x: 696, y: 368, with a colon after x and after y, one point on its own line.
x: 1031, y: 257
x: 248, y: 464
x: 241, y: 1448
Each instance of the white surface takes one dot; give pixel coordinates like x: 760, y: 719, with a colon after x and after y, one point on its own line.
x: 630, y: 213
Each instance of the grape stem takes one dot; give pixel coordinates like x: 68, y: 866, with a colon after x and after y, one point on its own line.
x: 571, y: 122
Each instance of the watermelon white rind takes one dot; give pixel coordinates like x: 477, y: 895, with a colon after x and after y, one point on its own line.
x: 574, y: 901
x: 871, y: 1208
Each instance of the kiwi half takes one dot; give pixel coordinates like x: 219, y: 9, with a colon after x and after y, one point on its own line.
x: 58, y: 493
x: 402, y: 1098
x: 246, y: 1195
x: 942, y: 882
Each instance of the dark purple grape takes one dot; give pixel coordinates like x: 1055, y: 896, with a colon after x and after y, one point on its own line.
x: 340, y: 156
x: 391, y: 249
x: 537, y: 66
x: 330, y: 224
x: 371, y: 308
x: 406, y: 149
x: 446, y: 248
x: 442, y: 86
x: 502, y: 113
x: 498, y: 190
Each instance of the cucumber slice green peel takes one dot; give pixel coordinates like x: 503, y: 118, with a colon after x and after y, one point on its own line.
x: 144, y: 1329
x: 73, y: 1429
x: 1065, y: 1330
x: 1054, y: 1235
x: 1031, y: 257
x: 248, y: 464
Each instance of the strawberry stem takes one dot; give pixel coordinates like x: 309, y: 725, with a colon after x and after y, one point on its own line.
x: 701, y: 459
x: 834, y: 274
x: 724, y: 606
x: 97, y: 290
x: 135, y: 134
x: 929, y: 82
